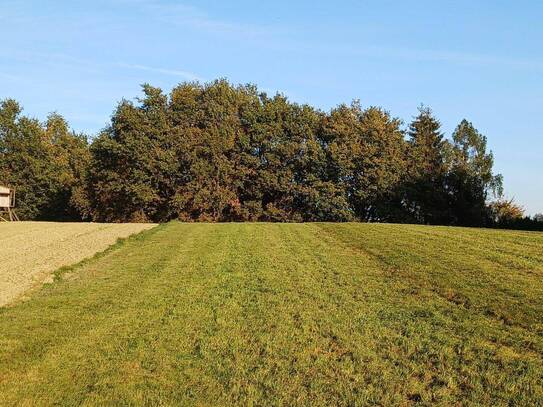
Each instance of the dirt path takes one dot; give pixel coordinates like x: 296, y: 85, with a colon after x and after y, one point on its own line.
x: 31, y: 251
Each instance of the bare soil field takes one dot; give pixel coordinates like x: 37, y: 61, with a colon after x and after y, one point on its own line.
x: 31, y: 251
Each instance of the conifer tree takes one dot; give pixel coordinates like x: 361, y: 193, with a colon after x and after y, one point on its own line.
x: 426, y: 198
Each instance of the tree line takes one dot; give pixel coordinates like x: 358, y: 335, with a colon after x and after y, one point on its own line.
x: 218, y: 152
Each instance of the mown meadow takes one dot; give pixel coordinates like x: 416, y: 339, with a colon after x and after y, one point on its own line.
x: 286, y: 314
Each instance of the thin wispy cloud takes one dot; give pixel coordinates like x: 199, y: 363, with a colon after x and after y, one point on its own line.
x: 467, y: 58
x: 60, y: 59
x: 460, y: 58
x: 173, y: 72
x: 190, y: 16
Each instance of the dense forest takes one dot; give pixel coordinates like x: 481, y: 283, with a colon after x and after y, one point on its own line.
x: 218, y: 152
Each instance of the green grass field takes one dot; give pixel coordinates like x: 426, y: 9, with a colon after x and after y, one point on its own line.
x: 286, y: 314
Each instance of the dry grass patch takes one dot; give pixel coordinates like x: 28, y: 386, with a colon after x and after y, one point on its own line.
x: 31, y: 251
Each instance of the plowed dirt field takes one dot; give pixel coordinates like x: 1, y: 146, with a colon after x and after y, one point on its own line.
x: 31, y: 251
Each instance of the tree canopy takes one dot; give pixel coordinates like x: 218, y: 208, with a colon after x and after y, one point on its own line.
x: 218, y: 152
x: 45, y: 162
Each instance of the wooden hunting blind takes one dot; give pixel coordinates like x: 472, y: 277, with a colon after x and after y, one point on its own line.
x: 7, y: 203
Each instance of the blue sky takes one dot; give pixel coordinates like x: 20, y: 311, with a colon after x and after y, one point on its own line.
x: 482, y: 60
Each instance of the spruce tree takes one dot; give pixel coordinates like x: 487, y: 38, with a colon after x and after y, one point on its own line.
x: 426, y: 198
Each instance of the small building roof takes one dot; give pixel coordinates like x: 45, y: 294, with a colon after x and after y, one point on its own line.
x: 4, y: 190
